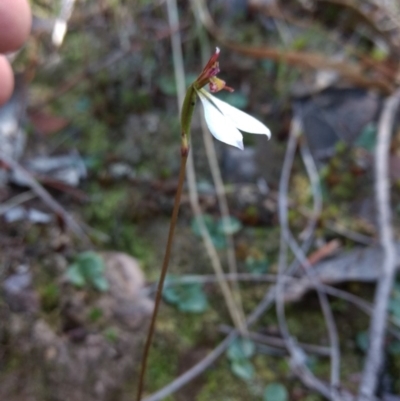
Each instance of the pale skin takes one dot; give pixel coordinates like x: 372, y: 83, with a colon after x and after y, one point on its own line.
x: 15, y: 25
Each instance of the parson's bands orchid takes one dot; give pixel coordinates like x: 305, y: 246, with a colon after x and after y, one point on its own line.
x: 223, y: 120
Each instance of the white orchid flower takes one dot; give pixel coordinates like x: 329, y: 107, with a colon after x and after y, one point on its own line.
x: 224, y: 121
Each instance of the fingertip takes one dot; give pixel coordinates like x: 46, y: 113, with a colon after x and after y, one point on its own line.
x: 6, y: 80
x: 15, y: 22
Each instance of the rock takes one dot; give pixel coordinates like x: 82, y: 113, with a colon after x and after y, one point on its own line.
x: 125, y: 299
x: 336, y: 113
x: 18, y: 292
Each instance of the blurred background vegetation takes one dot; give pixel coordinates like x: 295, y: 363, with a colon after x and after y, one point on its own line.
x: 97, y: 125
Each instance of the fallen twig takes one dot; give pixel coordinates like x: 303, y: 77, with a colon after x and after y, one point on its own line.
x: 236, y: 312
x: 45, y: 196
x: 279, y: 342
x: 297, y: 355
x: 382, y: 190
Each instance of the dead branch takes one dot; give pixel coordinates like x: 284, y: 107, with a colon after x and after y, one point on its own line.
x: 382, y: 191
x: 45, y: 196
x: 287, y: 240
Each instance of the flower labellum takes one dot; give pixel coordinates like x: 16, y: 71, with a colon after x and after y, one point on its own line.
x: 224, y: 121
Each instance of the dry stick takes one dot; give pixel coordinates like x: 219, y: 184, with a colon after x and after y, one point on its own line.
x: 16, y: 201
x: 234, y: 311
x: 297, y: 356
x: 163, y: 273
x: 360, y: 303
x: 223, y: 206
x: 377, y: 329
x: 218, y: 182
x: 278, y: 342
x: 219, y: 187
x: 45, y: 196
x: 330, y: 323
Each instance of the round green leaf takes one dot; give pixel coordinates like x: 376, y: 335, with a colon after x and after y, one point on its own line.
x: 229, y: 225
x: 186, y: 297
x: 196, y: 303
x: 90, y: 264
x: 218, y: 240
x: 367, y: 138
x: 257, y: 266
x: 362, y: 341
x: 243, y: 368
x: 208, y: 221
x: 394, y: 348
x: 394, y: 307
x: 100, y: 283
x: 241, y: 348
x: 275, y: 392
x: 74, y: 275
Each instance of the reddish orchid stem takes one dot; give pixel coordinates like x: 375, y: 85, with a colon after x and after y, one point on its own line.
x: 184, y: 155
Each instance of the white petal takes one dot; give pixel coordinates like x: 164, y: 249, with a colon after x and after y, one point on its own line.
x: 240, y: 119
x: 220, y: 126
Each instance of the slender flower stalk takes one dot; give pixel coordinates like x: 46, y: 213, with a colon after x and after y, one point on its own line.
x: 224, y: 122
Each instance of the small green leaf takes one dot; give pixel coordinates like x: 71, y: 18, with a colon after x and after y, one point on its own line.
x: 257, y: 266
x: 394, y: 348
x: 275, y: 392
x: 95, y: 314
x: 196, y: 303
x: 229, y: 225
x: 241, y: 348
x: 90, y: 264
x: 208, y: 221
x: 218, y: 240
x: 88, y: 269
x: 100, y: 283
x: 362, y: 341
x: 111, y: 335
x: 186, y: 297
x: 367, y: 138
x: 394, y: 307
x: 170, y: 293
x: 74, y: 275
x: 243, y: 368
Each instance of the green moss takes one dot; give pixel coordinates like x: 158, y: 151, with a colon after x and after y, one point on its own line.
x: 106, y: 205
x: 221, y: 381
x: 49, y: 296
x: 162, y: 365
x: 270, y: 369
